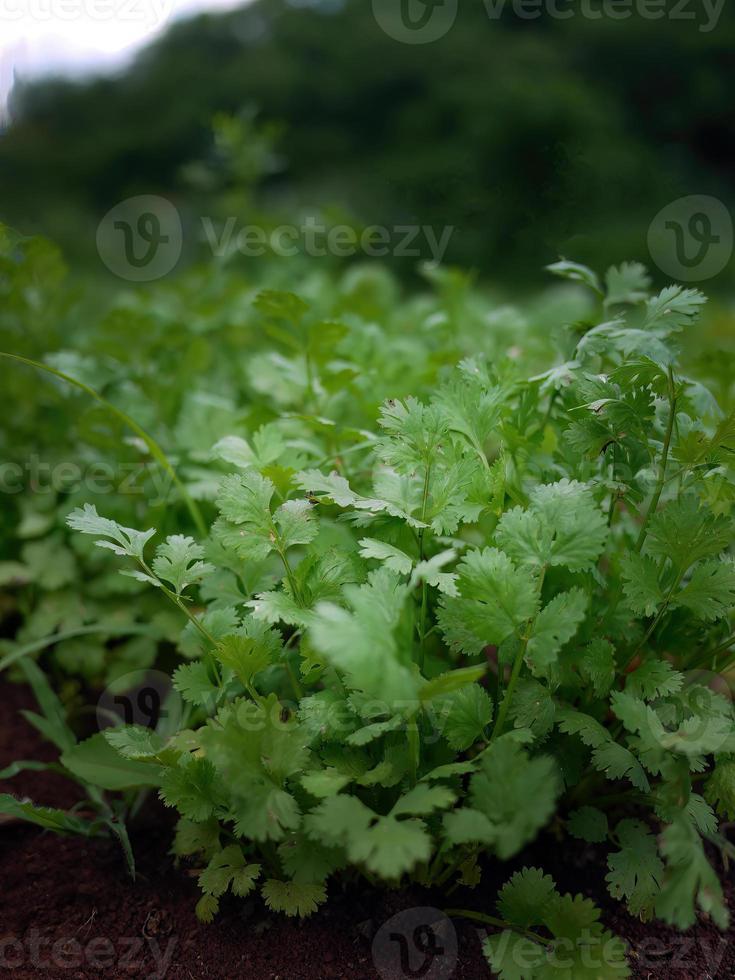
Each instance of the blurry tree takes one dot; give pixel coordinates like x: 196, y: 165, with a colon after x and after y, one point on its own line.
x: 532, y: 137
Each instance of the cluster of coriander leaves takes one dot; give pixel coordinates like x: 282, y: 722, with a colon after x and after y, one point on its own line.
x: 190, y: 361
x: 591, y: 591
x: 504, y: 606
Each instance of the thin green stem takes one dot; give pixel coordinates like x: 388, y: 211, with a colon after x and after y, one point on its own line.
x: 422, y: 624
x: 515, y: 673
x: 296, y: 687
x: 505, y: 706
x: 195, y: 622
x: 613, y: 493
x: 727, y: 666
x: 309, y: 377
x: 651, y: 629
x: 664, y: 462
x: 290, y: 576
x: 422, y: 555
x: 449, y: 870
x: 498, y: 923
x: 414, y: 749
x: 711, y: 655
x: 547, y: 415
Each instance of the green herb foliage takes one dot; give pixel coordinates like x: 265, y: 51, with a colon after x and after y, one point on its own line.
x: 420, y: 632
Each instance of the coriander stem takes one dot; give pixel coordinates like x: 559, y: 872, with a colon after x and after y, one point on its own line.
x: 414, y: 749
x: 655, y: 623
x: 290, y: 576
x: 424, y: 587
x: 449, y: 870
x: 517, y: 664
x: 709, y: 656
x: 297, y: 689
x: 422, y: 624
x: 547, y: 415
x: 613, y: 493
x: 309, y: 377
x: 664, y: 461
x: 202, y: 630
x: 498, y: 923
x: 505, y: 706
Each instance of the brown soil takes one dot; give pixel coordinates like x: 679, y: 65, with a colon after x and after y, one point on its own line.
x: 68, y: 909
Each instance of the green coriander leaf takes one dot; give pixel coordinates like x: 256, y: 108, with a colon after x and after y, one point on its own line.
x: 627, y: 283
x: 674, y: 308
x: 393, y: 558
x: 337, y: 820
x: 524, y: 899
x: 228, y: 869
x: 414, y: 432
x: 125, y: 540
x: 135, y: 741
x: 588, y: 823
x: 684, y: 533
x: 689, y: 878
x: 636, y: 871
x: 178, y: 562
x: 576, y: 272
x: 296, y: 523
x: 307, y: 861
x: 641, y: 584
x: 245, y: 656
x: 423, y: 800
x: 720, y: 788
x: 193, y: 788
x: 562, y: 526
x: 324, y: 782
x: 468, y: 826
x: 596, y: 664
x: 361, y: 640
x: 516, y: 793
x: 391, y: 847
x: 533, y: 707
x: 496, y: 599
x: 244, y: 502
x: 710, y: 592
x: 207, y: 908
x: 554, y: 626
x: 654, y: 679
x: 466, y: 714
x: 292, y: 897
x: 195, y: 685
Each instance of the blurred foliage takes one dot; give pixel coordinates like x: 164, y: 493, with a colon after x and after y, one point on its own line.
x: 193, y: 360
x: 531, y: 137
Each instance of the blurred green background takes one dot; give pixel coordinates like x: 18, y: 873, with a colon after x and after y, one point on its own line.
x: 533, y: 138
